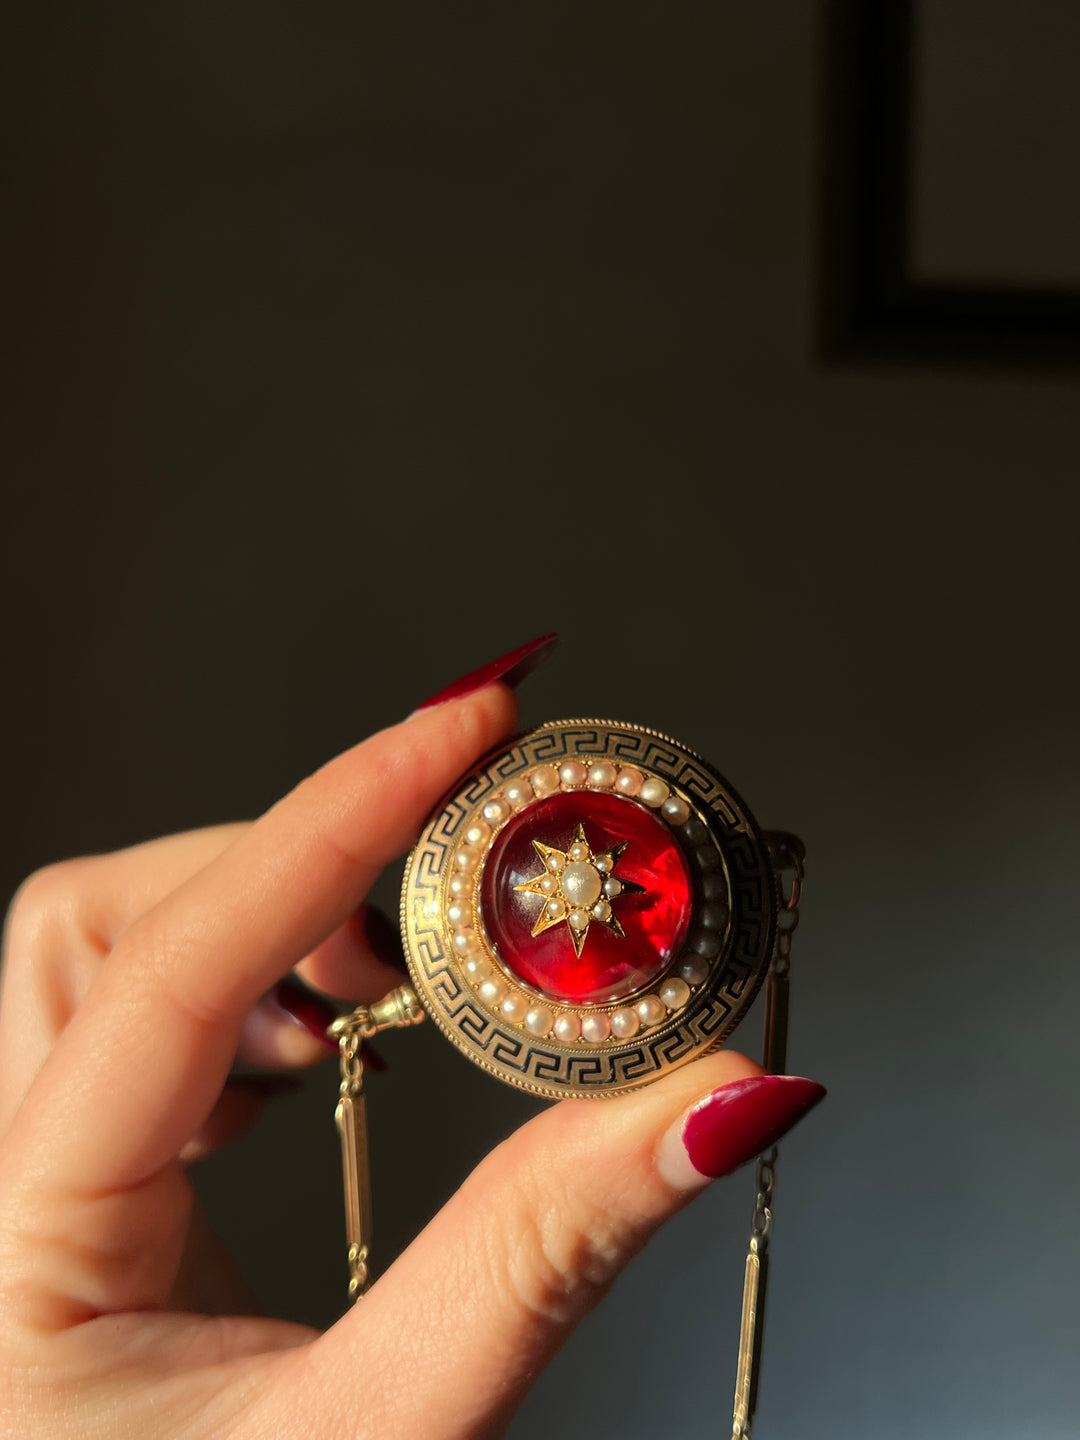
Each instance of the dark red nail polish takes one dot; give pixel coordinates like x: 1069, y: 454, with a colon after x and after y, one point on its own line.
x: 265, y: 1087
x: 740, y: 1120
x: 373, y: 1061
x: 382, y: 935
x: 510, y: 668
x: 307, y: 1009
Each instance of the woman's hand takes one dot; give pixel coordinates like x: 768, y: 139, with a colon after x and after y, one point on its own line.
x: 131, y: 982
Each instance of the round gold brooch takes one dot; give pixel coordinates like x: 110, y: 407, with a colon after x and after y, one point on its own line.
x: 592, y: 906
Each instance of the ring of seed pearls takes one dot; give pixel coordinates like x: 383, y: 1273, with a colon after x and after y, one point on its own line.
x: 596, y: 1026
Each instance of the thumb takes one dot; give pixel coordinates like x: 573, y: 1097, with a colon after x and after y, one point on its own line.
x: 458, y: 1328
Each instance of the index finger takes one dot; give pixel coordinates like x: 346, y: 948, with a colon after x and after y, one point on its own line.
x: 144, y: 1058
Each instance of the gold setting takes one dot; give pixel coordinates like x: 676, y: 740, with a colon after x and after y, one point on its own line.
x: 592, y: 903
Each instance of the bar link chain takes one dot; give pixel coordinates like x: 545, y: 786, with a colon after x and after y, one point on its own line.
x: 787, y: 855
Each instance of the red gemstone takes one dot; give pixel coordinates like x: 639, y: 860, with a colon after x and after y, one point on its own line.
x: 653, y: 919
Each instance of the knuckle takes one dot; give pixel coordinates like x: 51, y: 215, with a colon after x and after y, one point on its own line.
x: 44, y: 904
x: 159, y: 954
x: 47, y: 947
x: 557, y: 1252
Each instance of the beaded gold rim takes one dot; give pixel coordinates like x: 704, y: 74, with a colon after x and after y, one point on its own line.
x: 558, y: 1048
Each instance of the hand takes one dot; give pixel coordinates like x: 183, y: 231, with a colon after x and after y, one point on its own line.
x: 131, y: 981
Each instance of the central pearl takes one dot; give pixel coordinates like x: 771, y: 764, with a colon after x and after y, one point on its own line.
x: 581, y: 883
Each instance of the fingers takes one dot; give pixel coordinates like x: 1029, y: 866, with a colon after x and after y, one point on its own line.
x: 67, y: 919
x: 360, y: 961
x: 535, y: 1236
x: 63, y: 923
x: 150, y: 1047
x: 238, y: 1108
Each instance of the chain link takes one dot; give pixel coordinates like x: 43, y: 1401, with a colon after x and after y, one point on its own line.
x: 352, y: 1066
x: 761, y: 1225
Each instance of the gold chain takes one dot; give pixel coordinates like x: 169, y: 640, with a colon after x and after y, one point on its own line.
x: 787, y: 854
x: 400, y: 1007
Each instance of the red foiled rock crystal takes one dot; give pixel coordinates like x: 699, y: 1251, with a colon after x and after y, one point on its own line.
x: 652, y: 912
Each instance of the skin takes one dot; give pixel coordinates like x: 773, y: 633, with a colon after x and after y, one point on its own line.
x: 120, y: 1314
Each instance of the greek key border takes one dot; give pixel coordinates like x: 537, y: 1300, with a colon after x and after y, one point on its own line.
x: 546, y: 1067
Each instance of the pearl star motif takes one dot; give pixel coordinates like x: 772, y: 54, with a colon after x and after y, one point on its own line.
x: 577, y: 887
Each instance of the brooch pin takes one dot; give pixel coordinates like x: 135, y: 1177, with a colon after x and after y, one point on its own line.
x: 592, y: 906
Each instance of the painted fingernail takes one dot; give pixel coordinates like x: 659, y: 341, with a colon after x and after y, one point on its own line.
x: 308, y: 1010
x: 266, y: 1087
x: 731, y: 1125
x: 382, y: 935
x: 510, y: 668
x: 372, y: 1059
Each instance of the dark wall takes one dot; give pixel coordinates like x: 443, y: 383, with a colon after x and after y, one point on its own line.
x: 349, y: 346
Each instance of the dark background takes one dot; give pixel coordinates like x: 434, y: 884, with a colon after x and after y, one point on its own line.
x: 348, y: 346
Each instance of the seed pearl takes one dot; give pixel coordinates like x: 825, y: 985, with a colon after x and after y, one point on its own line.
x: 676, y: 811
x: 651, y: 1010
x: 596, y: 1028
x: 695, y: 832
x: 538, y: 1021
x: 713, y: 916
x: 493, y: 990
x: 602, y: 863
x: 707, y: 857
x: 556, y: 862
x: 519, y: 793
x: 494, y: 812
x: 601, y: 910
x: 675, y: 993
x: 629, y: 781
x: 459, y: 886
x: 694, y: 971
x: 567, y: 1027
x: 573, y: 773
x: 578, y: 851
x: 579, y: 919
x: 625, y: 1023
x: 612, y: 887
x: 705, y: 944
x: 602, y: 775
x: 654, y: 792
x: 514, y: 1007
x: 457, y: 913
x: 465, y: 941
x: 478, y: 968
x: 714, y: 887
x: 465, y: 859
x: 478, y: 833
x: 547, y: 884
x: 556, y: 909
x: 545, y: 779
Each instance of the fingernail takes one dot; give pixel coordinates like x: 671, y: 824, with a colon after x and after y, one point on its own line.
x: 372, y: 1059
x: 510, y: 668
x: 308, y: 1010
x: 266, y: 1087
x: 732, y: 1125
x: 385, y: 941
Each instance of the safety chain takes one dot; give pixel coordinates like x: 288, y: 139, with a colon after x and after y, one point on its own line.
x: 787, y: 855
x: 400, y: 1007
